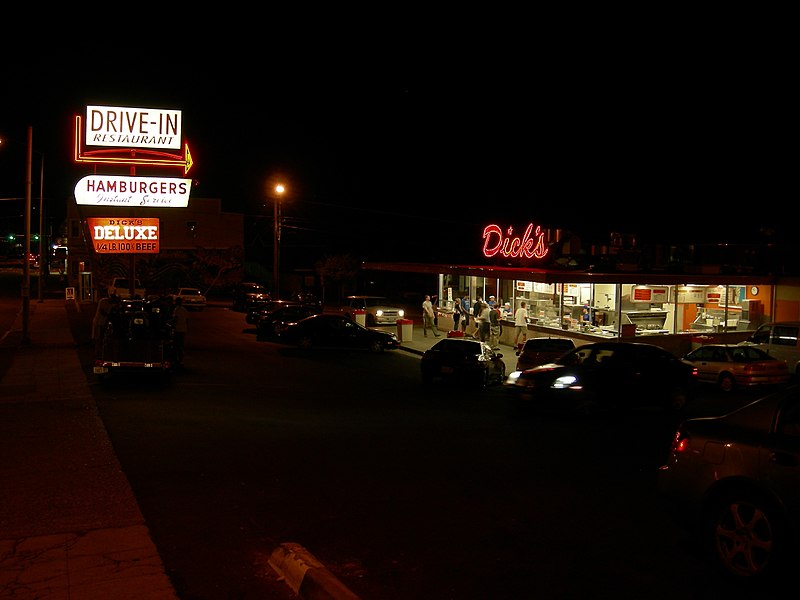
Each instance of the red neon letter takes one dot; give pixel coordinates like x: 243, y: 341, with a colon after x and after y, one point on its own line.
x: 514, y: 247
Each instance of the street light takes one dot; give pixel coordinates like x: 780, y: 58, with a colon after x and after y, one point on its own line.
x: 26, y: 262
x: 26, y: 269
x: 276, y: 245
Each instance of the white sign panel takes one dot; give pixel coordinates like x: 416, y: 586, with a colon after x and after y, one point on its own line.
x: 118, y: 190
x: 133, y: 127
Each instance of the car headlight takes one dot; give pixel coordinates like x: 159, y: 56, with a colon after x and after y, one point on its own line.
x: 401, y: 313
x: 565, y: 381
x: 378, y: 313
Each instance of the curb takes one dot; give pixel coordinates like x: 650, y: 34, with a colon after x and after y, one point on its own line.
x: 307, y: 577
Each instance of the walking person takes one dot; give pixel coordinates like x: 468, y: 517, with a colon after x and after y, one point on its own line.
x: 180, y: 323
x: 520, y: 324
x: 100, y: 320
x: 428, y: 317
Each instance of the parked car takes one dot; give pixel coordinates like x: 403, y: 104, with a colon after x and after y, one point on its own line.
x: 463, y: 360
x: 605, y: 376
x: 247, y: 294
x: 377, y: 310
x: 193, y: 299
x: 541, y: 350
x: 730, y: 365
x: 272, y: 320
x: 780, y: 339
x: 329, y: 330
x: 257, y: 311
x: 734, y: 482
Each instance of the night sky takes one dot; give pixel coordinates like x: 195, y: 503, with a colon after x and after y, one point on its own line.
x: 404, y: 146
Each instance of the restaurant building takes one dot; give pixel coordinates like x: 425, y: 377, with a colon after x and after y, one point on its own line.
x: 644, y: 294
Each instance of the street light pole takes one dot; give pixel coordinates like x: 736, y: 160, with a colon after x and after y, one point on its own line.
x: 26, y: 262
x: 276, y: 244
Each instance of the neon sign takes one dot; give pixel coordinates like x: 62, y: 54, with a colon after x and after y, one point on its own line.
x: 114, y: 235
x: 530, y: 245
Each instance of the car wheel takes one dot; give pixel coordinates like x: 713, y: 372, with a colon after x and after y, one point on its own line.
x: 375, y: 347
x: 276, y: 329
x: 305, y: 343
x: 726, y: 382
x: 744, y: 536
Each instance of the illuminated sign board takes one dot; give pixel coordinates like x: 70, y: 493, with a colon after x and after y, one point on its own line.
x: 120, y: 190
x: 530, y: 245
x: 133, y: 127
x: 113, y: 235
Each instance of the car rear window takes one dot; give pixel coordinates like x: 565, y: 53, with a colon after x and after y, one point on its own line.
x: 548, y: 345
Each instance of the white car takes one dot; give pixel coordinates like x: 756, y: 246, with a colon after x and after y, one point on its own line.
x: 193, y: 299
x: 377, y: 310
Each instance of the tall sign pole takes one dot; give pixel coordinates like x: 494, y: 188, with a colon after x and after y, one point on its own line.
x: 41, y: 230
x: 26, y: 261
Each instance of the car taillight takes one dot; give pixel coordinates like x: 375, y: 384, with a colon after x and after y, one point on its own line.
x: 681, y: 443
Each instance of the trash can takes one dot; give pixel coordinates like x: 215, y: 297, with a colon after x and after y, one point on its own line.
x: 360, y: 317
x: 405, y: 330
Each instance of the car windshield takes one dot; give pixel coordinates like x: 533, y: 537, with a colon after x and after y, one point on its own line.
x: 375, y: 302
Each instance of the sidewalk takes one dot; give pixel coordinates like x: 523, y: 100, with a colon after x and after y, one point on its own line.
x: 70, y: 526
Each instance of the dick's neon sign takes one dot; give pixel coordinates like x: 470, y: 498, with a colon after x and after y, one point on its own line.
x: 530, y: 245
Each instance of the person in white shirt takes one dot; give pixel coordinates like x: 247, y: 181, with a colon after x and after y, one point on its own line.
x: 521, y: 323
x: 428, y: 317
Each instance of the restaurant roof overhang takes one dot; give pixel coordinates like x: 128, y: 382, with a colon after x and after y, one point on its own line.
x: 573, y: 276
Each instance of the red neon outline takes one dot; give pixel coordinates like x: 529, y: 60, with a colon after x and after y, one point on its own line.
x: 529, y: 246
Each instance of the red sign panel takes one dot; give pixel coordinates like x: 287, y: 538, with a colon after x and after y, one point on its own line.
x: 113, y: 235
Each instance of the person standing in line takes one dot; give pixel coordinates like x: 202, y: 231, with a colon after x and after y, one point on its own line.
x: 464, y: 313
x: 520, y: 323
x: 427, y: 317
x: 456, y: 313
x: 492, y: 302
x: 494, y: 328
x: 476, y: 315
x: 484, y: 323
x: 180, y: 324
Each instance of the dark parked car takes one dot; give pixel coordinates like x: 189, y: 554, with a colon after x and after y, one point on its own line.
x: 273, y: 319
x: 729, y: 366
x: 247, y: 294
x: 734, y: 482
x: 463, y: 360
x: 541, y: 350
x: 607, y: 376
x: 336, y: 331
x: 257, y: 312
